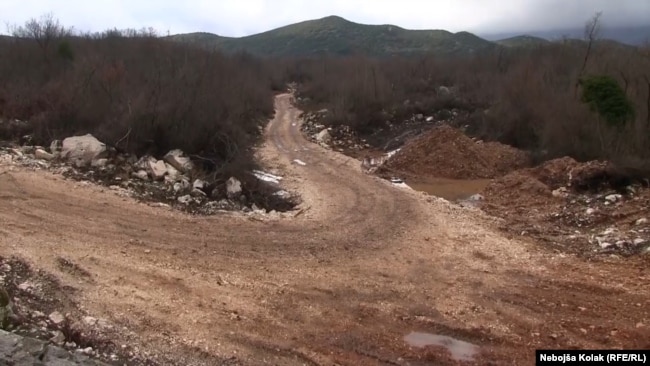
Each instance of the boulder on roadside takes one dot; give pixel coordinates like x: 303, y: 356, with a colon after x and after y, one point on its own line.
x: 178, y: 160
x: 172, y: 172
x: 82, y: 150
x: 233, y: 188
x: 43, y: 155
x: 323, y: 136
x: 155, y: 168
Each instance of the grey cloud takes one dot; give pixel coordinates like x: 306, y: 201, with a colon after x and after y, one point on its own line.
x: 559, y: 14
x: 243, y: 17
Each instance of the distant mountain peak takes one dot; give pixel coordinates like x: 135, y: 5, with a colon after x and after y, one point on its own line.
x: 336, y: 35
x: 334, y: 18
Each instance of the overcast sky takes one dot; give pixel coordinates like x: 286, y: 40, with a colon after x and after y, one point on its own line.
x: 245, y: 17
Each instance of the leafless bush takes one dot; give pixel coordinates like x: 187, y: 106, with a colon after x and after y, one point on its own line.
x: 135, y: 91
x: 523, y: 97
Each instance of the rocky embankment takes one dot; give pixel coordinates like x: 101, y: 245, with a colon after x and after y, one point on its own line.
x: 24, y: 351
x: 173, y: 180
x: 41, y: 324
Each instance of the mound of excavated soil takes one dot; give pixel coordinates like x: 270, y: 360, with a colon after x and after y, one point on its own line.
x: 585, y: 208
x: 535, y: 185
x: 555, y: 173
x: 446, y: 152
x: 517, y: 189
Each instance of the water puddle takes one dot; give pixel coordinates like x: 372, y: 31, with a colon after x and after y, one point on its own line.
x: 460, y: 350
x: 450, y: 189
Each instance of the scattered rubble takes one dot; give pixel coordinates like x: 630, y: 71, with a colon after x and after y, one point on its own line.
x: 17, y: 350
x: 172, y: 181
x: 66, y: 336
x: 341, y: 138
x: 178, y: 160
x: 570, y: 207
x: 585, y: 208
x: 392, y: 136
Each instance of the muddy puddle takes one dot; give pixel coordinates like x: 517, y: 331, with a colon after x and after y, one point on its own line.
x: 460, y: 350
x: 450, y: 189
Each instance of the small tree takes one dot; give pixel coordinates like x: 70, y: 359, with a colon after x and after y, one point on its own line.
x: 606, y: 97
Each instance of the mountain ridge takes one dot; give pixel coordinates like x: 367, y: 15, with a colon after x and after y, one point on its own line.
x: 336, y: 35
x: 629, y: 35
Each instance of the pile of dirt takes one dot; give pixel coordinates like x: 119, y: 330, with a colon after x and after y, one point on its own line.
x: 516, y: 189
x: 555, y: 173
x: 542, y: 184
x: 575, y: 207
x: 446, y: 152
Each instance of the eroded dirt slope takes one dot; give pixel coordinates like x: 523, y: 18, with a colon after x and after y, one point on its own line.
x: 364, y: 265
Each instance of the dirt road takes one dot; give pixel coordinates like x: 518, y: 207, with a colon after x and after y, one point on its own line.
x: 343, y: 283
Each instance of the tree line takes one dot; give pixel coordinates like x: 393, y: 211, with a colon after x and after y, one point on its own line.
x: 143, y: 94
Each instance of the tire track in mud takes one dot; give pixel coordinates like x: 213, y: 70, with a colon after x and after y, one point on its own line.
x: 365, y: 207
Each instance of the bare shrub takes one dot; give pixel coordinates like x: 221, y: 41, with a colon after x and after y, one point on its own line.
x: 522, y: 97
x: 135, y: 91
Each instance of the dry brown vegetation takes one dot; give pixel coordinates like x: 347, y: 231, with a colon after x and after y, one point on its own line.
x: 141, y: 93
x: 133, y: 91
x: 527, y: 98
